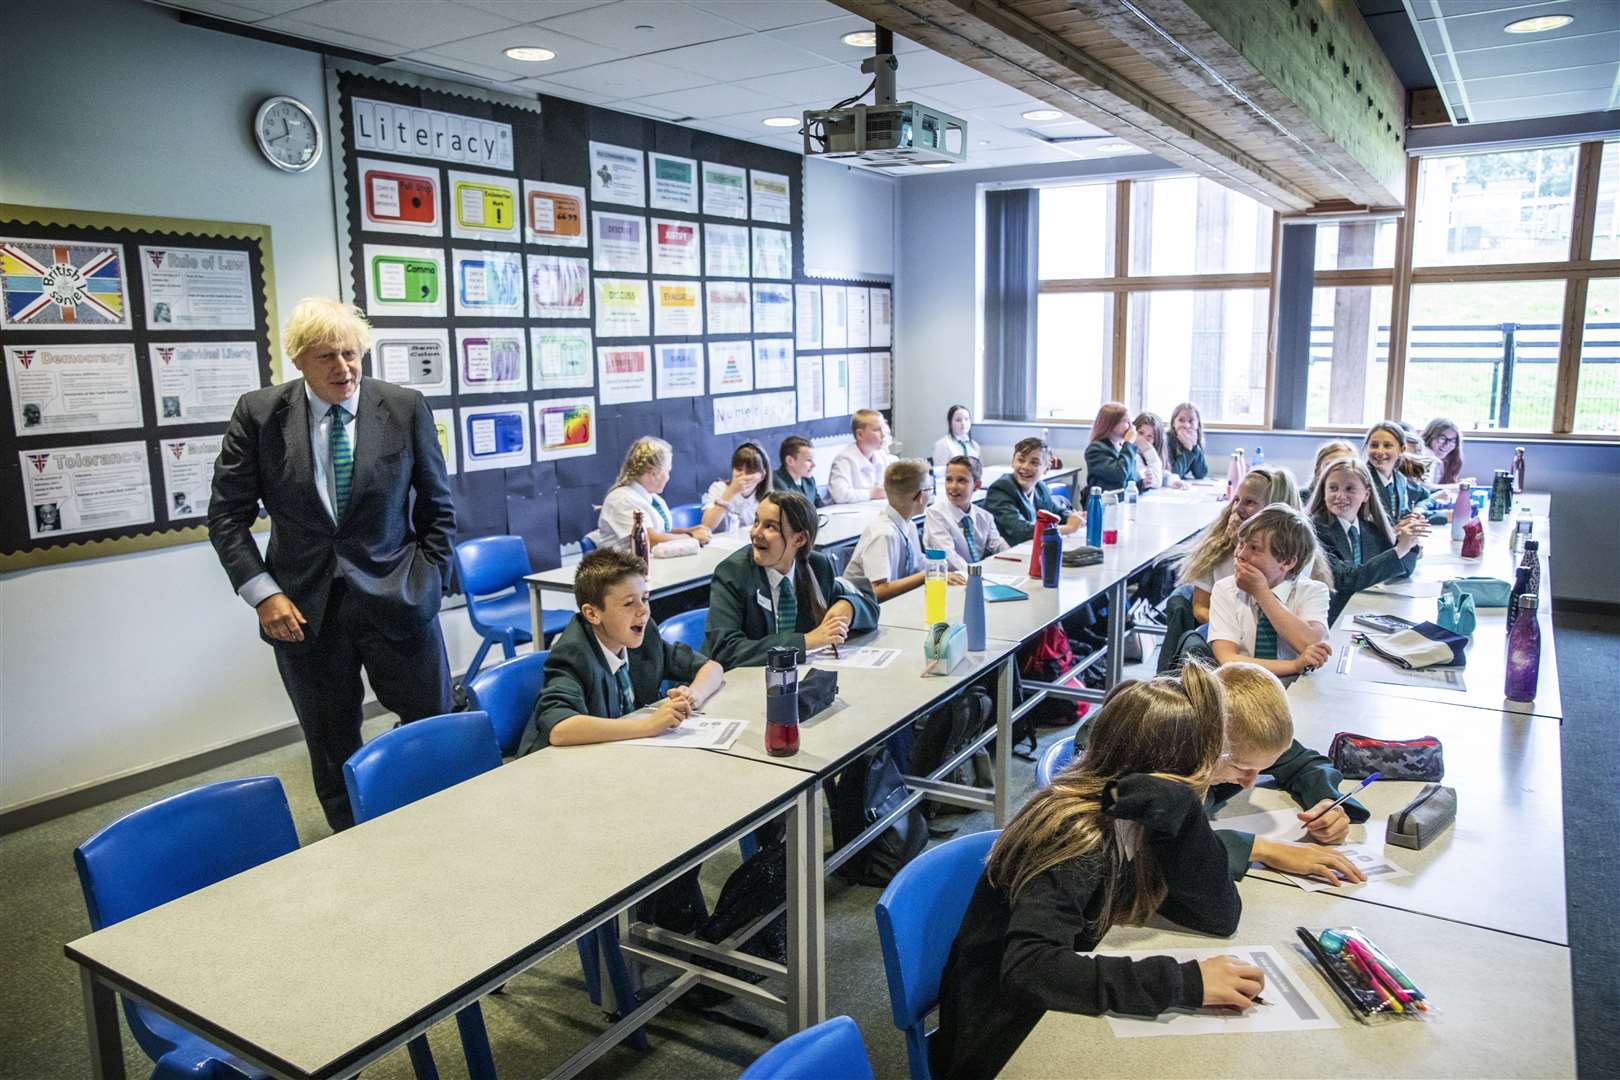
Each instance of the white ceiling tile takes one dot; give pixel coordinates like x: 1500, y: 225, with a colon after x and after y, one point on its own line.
x: 771, y: 14
x: 753, y: 122
x: 741, y: 58
x: 221, y: 9
x: 415, y: 24
x: 1013, y: 115
x: 455, y: 64
x: 1071, y: 128
x: 263, y: 8
x: 545, y: 86
x: 719, y: 99
x: 630, y: 78
x: 924, y: 68
x: 673, y: 25
x: 532, y: 10
x: 813, y: 87
x: 287, y: 24
x: 979, y: 93
x: 637, y: 109
x: 486, y: 50
x: 823, y: 38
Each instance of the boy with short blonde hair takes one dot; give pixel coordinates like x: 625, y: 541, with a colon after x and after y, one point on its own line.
x: 857, y: 471
x: 888, y: 558
x: 1273, y: 610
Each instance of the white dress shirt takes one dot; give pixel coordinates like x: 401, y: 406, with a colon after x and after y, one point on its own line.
x: 740, y: 511
x: 618, y: 518
x: 881, y: 552
x: 942, y: 531
x: 950, y: 446
x: 1234, y: 615
x: 853, y: 475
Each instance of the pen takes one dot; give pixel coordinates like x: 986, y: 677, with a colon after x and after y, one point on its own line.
x: 1334, y: 978
x: 835, y: 657
x: 1342, y: 799
x: 1365, y: 972
x: 1388, y: 984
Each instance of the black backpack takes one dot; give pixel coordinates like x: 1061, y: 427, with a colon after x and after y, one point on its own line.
x: 944, y: 734
x: 754, y: 888
x: 867, y: 790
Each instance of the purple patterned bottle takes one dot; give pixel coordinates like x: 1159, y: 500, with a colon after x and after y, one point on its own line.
x: 1526, y: 579
x: 1524, y: 653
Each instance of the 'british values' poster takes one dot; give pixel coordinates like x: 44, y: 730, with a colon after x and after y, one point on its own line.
x: 62, y: 388
x: 78, y: 489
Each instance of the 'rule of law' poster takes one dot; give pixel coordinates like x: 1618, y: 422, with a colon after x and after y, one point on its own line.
x: 197, y: 288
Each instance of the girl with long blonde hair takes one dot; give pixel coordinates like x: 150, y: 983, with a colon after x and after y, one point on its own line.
x: 1209, y: 556
x: 640, y: 487
x: 1361, y: 546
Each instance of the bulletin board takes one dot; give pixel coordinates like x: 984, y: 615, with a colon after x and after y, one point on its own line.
x: 126, y: 342
x: 560, y: 279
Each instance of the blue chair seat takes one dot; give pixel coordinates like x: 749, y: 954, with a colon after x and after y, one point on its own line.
x: 507, y: 692
x: 686, y: 515
x: 832, y: 1050
x: 1055, y: 759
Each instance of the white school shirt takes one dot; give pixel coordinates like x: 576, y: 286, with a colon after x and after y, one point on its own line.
x: 1223, y: 569
x: 1149, y: 469
x: 942, y: 531
x: 853, y: 477
x: 1234, y: 615
x: 739, y: 511
x: 618, y: 517
x: 880, y: 554
x: 950, y: 446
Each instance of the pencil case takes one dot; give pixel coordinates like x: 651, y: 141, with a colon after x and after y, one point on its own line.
x: 1423, y: 819
x: 1486, y: 591
x: 944, y: 647
x: 1082, y: 556
x: 1359, y: 756
x: 817, y: 689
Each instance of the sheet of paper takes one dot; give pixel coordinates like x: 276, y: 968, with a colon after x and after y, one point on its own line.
x: 773, y: 363
x: 188, y: 474
x: 725, y: 251
x: 729, y: 304
x: 46, y: 285
x: 674, y: 184
x: 624, y: 373
x: 696, y: 732
x: 444, y: 425
x: 882, y: 381
x: 556, y: 214
x: 676, y: 248
x: 197, y: 288
x: 679, y: 370
x: 622, y: 308
x: 78, y: 489
x: 494, y: 437
x: 857, y: 303
x: 491, y: 361
x: 1365, y: 848
x: 809, y: 388
x: 769, y: 197
x: 834, y: 317
x: 1364, y: 665
x: 1291, y: 1003
x: 753, y: 412
x: 725, y: 191
x: 559, y: 287
x: 866, y: 657
x: 677, y: 309
x: 483, y: 207
x: 618, y: 243
x: 561, y: 357
x: 419, y: 359
x: 860, y: 381
x: 773, y: 253
x: 731, y: 366
x: 564, y: 428
x: 773, y: 308
x: 489, y: 283
x: 835, y: 381
x: 618, y: 175
x: 1417, y: 588
x: 807, y: 317
x: 61, y: 388
x: 882, y: 318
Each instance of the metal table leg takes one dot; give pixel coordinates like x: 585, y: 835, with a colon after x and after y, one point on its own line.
x: 1004, y: 710
x: 1117, y: 618
x: 106, y: 1036
x: 806, y: 931
x: 536, y: 623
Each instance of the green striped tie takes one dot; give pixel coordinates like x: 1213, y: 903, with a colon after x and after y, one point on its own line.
x: 337, y: 443
x: 967, y: 534
x: 1265, y: 639
x: 627, y: 696
x: 787, y: 608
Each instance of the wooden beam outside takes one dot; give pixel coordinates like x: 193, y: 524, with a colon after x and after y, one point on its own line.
x: 1271, y: 317
x: 1572, y: 333
x: 1400, y: 301
x: 1162, y: 283
x: 1539, y: 271
x: 1122, y: 301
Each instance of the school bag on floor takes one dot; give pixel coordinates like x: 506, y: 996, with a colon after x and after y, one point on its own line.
x: 944, y: 734
x: 865, y: 791
x: 1044, y: 660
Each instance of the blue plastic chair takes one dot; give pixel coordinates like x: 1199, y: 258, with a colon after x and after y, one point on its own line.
x: 1059, y: 490
x: 164, y: 851
x: 492, y: 569
x: 586, y: 546
x: 686, y: 515
x: 832, y: 1050
x: 918, y: 916
x: 507, y: 691
x: 687, y: 627
x: 1053, y: 761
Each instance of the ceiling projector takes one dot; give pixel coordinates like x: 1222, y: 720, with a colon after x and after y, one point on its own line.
x: 888, y: 134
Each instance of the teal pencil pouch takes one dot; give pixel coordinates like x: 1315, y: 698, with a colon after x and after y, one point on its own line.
x: 1486, y: 591
x: 1456, y: 611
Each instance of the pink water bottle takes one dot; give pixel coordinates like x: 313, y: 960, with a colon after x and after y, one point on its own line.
x: 1234, y: 473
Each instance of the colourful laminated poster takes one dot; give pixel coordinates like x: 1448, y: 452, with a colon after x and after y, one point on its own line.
x: 79, y: 489
x: 677, y: 309
x: 728, y: 304
x: 483, y: 207
x: 622, y: 311
x: 773, y: 308
x: 188, y: 475
x: 674, y: 183
x: 56, y: 285
x: 57, y: 389
x: 492, y: 361
x: 559, y: 287
x: 773, y: 363
x: 835, y: 394
x: 554, y: 214
x: 444, y: 425
x: 489, y: 283
x: 725, y: 191
x: 768, y: 194
x: 200, y: 382
x: 404, y: 281
x: 494, y: 437
x: 679, y: 370
x: 731, y: 366
x: 725, y: 250
x: 399, y: 198
x: 564, y: 428
x: 197, y: 288
x: 773, y: 253
x: 618, y: 175
x: 676, y: 248
x: 860, y: 326
x: 624, y: 373
x: 562, y: 358
x: 619, y: 243
x: 419, y: 359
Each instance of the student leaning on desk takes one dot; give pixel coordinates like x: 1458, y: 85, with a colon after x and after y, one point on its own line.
x: 888, y: 560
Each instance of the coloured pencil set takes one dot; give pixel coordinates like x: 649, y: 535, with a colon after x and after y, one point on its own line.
x: 1365, y: 979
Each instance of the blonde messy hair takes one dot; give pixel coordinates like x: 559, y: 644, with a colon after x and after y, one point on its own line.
x: 904, y: 478
x: 1258, y: 722
x: 1216, y: 543
x: 1289, y: 536
x: 317, y: 321
x: 645, y: 455
x: 1171, y: 727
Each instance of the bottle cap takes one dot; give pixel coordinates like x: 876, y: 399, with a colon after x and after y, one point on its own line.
x: 933, y: 553
x: 781, y: 657
x: 975, y: 570
x: 1528, y: 600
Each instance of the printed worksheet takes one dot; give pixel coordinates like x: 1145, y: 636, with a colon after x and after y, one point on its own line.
x: 1289, y: 1004
x: 1365, y: 848
x: 868, y: 657
x: 699, y: 732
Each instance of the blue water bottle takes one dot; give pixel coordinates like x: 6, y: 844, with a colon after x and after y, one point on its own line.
x: 1094, y: 518
x: 973, y: 607
x: 1051, y: 557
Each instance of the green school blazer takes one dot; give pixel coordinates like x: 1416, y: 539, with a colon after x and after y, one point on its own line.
x: 1015, y: 512
x: 1378, y: 560
x: 1307, y: 776
x: 781, y: 481
x: 742, y: 619
x: 1108, y: 468
x: 578, y: 682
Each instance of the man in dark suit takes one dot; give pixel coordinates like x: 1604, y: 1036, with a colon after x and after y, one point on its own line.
x: 361, y: 529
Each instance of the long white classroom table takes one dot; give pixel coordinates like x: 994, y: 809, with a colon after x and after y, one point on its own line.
x: 320, y: 962
x: 1502, y: 1005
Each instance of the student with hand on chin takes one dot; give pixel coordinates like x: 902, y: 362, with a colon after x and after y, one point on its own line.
x: 1273, y: 610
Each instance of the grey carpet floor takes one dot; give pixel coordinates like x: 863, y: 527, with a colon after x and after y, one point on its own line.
x: 544, y: 1015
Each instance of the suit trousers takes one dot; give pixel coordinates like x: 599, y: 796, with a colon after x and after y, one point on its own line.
x: 411, y: 677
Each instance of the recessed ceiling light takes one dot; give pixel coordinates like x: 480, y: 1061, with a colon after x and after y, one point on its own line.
x: 1043, y: 114
x: 1539, y: 24
x: 532, y: 54
x: 646, y: 28
x: 936, y: 164
x: 1112, y: 147
x: 780, y: 121
x: 861, y: 39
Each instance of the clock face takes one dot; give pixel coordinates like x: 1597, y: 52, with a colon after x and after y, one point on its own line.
x: 288, y: 134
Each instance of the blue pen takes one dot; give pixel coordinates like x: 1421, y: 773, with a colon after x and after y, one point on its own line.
x: 1342, y: 799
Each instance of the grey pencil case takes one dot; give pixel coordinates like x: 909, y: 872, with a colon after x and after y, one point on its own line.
x: 1424, y: 818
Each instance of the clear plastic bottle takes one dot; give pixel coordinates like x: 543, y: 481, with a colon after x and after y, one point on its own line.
x: 936, y: 571
x: 1259, y: 458
x: 1518, y: 470
x: 1111, y: 516
x: 781, y: 702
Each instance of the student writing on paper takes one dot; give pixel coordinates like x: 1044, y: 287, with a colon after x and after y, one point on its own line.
x: 964, y: 532
x: 1187, y: 459
x: 729, y: 505
x: 1111, y: 454
x: 958, y: 439
x: 1211, y: 556
x: 857, y: 471
x: 1014, y: 499
x: 640, y: 487
x: 1274, y: 608
x: 888, y: 560
x: 1361, y: 547
x: 796, y: 469
x: 1119, y: 837
x: 1260, y: 739
x: 781, y: 591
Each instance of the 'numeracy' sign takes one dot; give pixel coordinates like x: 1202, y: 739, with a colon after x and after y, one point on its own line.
x: 426, y: 133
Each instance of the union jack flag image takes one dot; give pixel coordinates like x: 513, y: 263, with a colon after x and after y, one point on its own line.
x: 62, y: 286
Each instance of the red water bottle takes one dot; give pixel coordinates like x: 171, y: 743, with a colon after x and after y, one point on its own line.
x: 1473, y: 545
x: 1044, y: 519
x: 781, y: 701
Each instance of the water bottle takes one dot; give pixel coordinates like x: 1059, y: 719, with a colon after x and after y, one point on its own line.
x: 1526, y: 579
x: 935, y: 573
x: 1259, y: 458
x: 1518, y: 470
x: 1501, y: 494
x: 639, y: 543
x: 973, y: 607
x: 1131, y: 495
x: 1111, y: 519
x: 1051, y: 558
x: 1094, y: 518
x: 1523, y: 526
x: 1243, y: 463
x: 1523, y: 653
x: 1234, y: 473
x: 781, y: 701
x: 1461, y: 510
x: 1045, y: 521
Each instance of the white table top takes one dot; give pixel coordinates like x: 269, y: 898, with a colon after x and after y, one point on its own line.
x: 329, y: 951
x: 1501, y: 863
x: 1480, y: 1026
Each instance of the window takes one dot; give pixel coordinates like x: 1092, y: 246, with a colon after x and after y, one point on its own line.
x: 1213, y: 342
x: 1349, y: 365
x: 1074, y: 332
x: 1597, y: 390
x: 1356, y: 245
x: 1514, y: 206
x: 1077, y: 231
x: 1606, y: 234
x: 1189, y: 225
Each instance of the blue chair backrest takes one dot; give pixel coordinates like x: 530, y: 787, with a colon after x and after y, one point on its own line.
x: 1058, y: 489
x: 507, y: 693
x: 181, y: 844
x: 586, y: 545
x: 832, y: 1050
x: 417, y: 759
x: 688, y: 626
x: 491, y: 564
x: 1053, y: 761
x: 686, y: 515
x: 918, y: 916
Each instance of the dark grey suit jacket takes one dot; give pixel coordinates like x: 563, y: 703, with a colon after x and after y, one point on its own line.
x: 392, y: 546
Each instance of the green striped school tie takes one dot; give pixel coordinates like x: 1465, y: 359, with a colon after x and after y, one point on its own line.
x: 627, y: 696
x: 787, y: 608
x: 1265, y: 639
x: 342, y: 454
x: 967, y: 534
